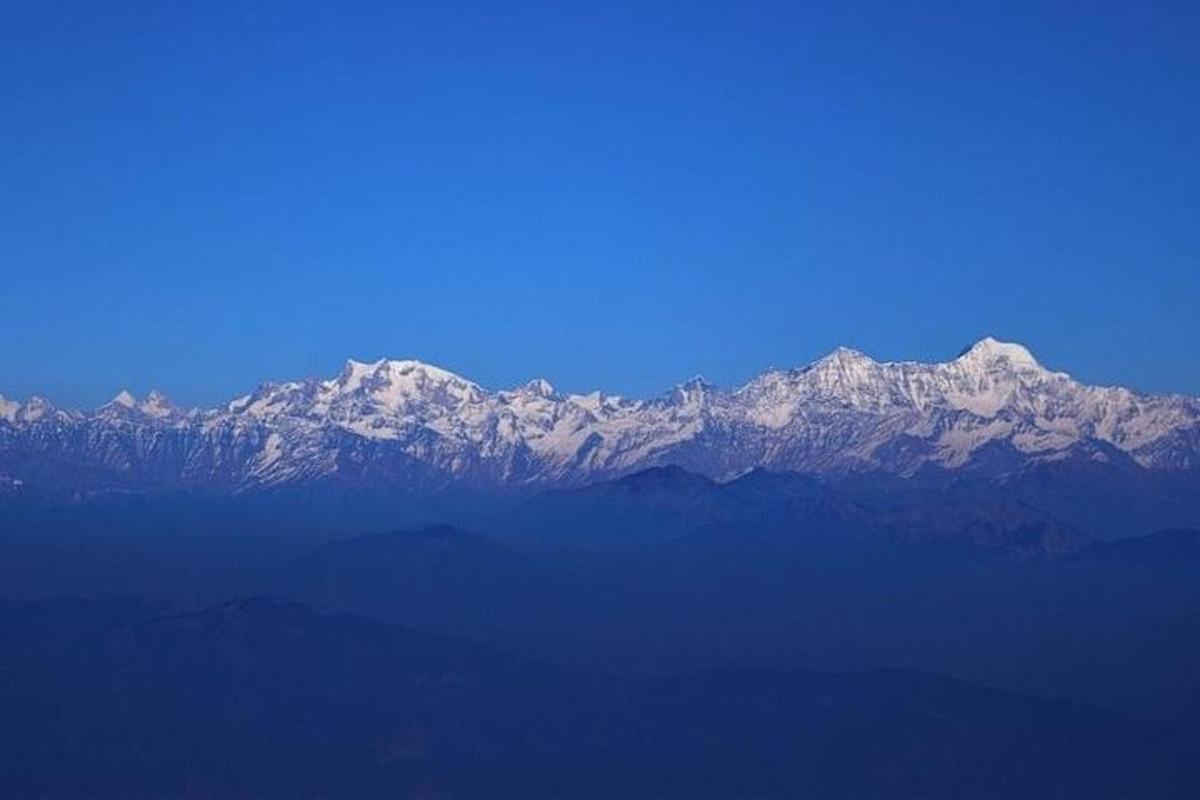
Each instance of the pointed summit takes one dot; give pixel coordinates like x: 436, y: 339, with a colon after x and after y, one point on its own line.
x: 9, y: 409
x: 539, y: 387
x: 122, y: 407
x: 697, y: 382
x: 158, y: 405
x: 848, y: 355
x: 989, y: 350
x: 839, y: 358
x: 37, y: 408
x: 126, y: 406
x: 692, y: 390
x: 354, y: 372
x: 124, y: 398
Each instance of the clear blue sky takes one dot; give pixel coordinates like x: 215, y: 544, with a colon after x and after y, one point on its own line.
x: 201, y: 196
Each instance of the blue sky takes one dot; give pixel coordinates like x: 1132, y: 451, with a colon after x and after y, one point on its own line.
x: 608, y: 195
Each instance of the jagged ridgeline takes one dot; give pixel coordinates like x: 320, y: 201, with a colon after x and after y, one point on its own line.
x: 994, y: 410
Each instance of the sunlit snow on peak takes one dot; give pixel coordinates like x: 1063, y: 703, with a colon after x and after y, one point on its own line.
x: 842, y: 412
x: 988, y: 350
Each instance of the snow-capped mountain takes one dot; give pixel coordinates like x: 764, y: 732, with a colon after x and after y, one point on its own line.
x: 409, y: 424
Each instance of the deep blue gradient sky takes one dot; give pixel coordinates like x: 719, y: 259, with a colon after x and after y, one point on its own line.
x: 201, y: 196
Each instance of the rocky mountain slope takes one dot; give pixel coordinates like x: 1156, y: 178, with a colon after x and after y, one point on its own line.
x: 994, y: 409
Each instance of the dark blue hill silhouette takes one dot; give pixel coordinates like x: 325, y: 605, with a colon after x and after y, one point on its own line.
x: 258, y: 698
x: 1178, y: 549
x: 668, y: 503
x: 439, y: 578
x: 667, y: 571
x: 782, y: 569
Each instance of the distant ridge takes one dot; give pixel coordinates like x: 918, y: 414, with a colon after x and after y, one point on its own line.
x: 404, y: 423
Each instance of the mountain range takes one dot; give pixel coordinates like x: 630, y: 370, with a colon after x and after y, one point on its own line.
x: 973, y: 578
x: 994, y: 410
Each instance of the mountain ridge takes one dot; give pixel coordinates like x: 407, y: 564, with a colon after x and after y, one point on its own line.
x: 408, y: 423
x: 267, y: 698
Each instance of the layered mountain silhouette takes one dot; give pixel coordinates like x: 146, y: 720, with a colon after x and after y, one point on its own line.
x: 257, y: 698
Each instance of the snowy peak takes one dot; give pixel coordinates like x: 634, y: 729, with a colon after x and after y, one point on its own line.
x: 9, y: 409
x: 37, y: 409
x: 395, y: 421
x: 155, y: 406
x: 356, y: 373
x: 539, y: 387
x: 842, y: 358
x: 844, y: 371
x: 984, y: 379
x: 692, y: 391
x: 398, y: 384
x: 992, y: 352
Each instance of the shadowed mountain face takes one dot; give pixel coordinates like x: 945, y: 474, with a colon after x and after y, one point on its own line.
x: 258, y: 698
